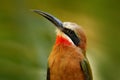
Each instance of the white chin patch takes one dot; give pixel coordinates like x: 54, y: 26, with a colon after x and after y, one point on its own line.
x: 64, y: 36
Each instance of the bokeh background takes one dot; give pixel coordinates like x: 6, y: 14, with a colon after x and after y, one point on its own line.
x: 26, y: 38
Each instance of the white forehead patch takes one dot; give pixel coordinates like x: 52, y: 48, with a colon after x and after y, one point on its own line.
x: 70, y: 25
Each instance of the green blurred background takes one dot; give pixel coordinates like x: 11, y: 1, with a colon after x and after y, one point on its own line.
x: 26, y: 38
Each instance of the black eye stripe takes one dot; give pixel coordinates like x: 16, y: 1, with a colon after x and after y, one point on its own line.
x: 69, y: 31
x: 72, y: 36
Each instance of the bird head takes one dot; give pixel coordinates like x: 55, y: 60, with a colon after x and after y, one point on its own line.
x: 72, y: 32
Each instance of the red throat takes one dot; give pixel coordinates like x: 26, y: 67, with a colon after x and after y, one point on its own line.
x: 62, y: 40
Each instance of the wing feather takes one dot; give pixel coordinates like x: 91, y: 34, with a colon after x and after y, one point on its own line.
x: 48, y: 74
x: 84, y: 64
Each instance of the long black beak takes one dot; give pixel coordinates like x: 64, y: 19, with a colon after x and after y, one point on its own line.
x: 59, y: 25
x: 51, y: 18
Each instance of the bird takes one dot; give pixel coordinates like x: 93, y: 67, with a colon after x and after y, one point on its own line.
x: 67, y: 60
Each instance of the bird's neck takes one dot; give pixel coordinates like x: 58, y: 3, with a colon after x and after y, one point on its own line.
x: 61, y: 40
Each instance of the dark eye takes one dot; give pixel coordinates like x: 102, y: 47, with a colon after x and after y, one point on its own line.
x: 69, y: 31
x: 72, y: 36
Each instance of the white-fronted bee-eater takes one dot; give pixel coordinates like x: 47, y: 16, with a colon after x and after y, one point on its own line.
x: 67, y: 60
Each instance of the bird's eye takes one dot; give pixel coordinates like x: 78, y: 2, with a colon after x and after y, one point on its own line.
x: 69, y: 31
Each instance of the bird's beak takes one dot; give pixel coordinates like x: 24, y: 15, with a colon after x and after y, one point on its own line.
x: 51, y: 18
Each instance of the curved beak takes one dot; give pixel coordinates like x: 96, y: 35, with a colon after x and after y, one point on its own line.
x: 51, y: 18
x: 59, y: 25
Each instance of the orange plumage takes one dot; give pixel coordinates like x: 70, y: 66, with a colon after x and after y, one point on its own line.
x: 68, y: 60
x: 64, y: 61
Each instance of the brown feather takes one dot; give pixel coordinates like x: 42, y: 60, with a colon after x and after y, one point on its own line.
x: 64, y: 63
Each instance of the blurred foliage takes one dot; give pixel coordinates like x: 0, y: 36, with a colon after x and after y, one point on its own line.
x: 26, y: 39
